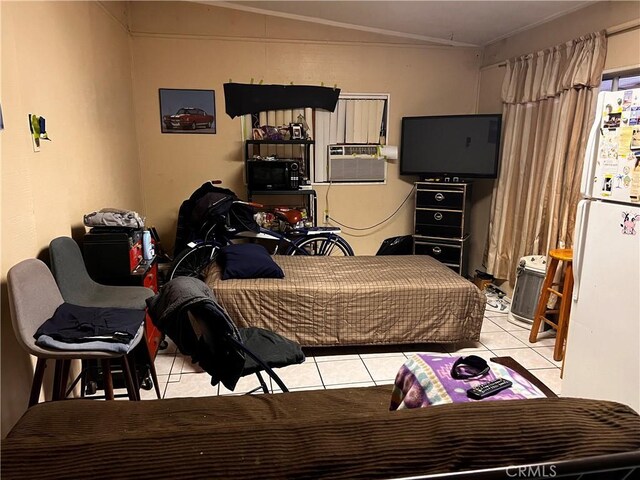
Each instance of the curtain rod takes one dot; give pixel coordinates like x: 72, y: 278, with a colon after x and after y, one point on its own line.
x: 610, y: 33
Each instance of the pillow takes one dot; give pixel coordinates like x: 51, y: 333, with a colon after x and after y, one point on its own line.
x: 248, y: 260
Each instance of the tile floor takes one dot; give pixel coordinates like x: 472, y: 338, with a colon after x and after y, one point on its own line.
x: 328, y: 368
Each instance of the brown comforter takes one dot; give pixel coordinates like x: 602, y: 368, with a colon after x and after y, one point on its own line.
x: 320, y: 434
x: 361, y: 300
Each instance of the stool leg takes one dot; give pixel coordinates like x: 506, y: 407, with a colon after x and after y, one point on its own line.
x: 107, y: 379
x: 152, y: 370
x: 563, y: 317
x: 57, y: 379
x: 131, y: 389
x: 154, y: 377
x: 542, y: 303
x: 133, y: 366
x: 83, y: 379
x: 64, y: 380
x: 36, y: 385
x: 152, y: 366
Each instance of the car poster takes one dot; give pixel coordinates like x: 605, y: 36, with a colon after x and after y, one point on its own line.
x: 187, y: 111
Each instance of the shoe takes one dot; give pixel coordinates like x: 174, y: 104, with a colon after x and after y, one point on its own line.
x: 492, y: 289
x: 497, y: 305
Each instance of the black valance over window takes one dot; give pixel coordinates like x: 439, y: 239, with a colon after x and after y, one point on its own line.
x: 242, y: 98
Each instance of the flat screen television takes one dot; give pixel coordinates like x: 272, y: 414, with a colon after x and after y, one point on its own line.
x: 463, y: 146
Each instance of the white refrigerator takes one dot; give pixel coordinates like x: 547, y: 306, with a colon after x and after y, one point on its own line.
x: 602, y: 358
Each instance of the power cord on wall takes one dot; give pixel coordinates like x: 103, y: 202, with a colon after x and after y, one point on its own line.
x: 326, y: 203
x: 377, y: 224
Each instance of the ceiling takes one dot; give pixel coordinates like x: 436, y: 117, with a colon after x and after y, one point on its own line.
x: 462, y: 23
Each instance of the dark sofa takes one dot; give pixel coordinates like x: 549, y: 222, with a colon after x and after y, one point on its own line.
x: 348, y: 433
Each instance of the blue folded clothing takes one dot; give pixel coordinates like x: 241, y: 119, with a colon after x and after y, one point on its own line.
x: 77, y: 324
x: 45, y: 341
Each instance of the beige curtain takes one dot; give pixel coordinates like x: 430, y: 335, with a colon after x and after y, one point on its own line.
x: 548, y: 106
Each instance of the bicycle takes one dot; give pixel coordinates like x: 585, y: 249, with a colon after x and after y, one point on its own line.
x: 218, y: 232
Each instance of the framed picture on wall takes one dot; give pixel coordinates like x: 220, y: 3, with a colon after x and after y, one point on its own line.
x: 187, y: 111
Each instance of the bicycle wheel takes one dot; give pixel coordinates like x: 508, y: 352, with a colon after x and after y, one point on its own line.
x: 193, y: 262
x: 324, y: 245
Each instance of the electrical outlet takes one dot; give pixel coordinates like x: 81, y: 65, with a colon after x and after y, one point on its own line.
x: 326, y: 216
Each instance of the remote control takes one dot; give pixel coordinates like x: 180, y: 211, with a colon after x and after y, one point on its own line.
x: 487, y: 389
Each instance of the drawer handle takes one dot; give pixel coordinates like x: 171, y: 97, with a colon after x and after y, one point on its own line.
x: 437, y: 216
x: 436, y: 250
x: 439, y: 197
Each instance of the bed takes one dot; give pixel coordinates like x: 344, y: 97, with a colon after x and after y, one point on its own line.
x: 339, y: 434
x: 360, y: 300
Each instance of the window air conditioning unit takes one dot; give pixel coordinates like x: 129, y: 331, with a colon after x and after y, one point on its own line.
x: 356, y: 163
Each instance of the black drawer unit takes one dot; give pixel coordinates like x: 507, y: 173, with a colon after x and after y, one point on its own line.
x: 441, y: 222
x: 453, y: 253
x: 438, y: 198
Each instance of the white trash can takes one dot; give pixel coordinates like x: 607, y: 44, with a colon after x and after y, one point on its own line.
x: 526, y: 293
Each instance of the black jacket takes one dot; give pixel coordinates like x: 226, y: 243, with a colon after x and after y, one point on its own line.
x: 206, y: 334
x: 211, y: 348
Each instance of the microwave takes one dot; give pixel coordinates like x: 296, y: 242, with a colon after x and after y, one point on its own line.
x: 273, y: 175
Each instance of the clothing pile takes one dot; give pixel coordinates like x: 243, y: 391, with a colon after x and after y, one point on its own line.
x: 114, y: 217
x: 72, y: 327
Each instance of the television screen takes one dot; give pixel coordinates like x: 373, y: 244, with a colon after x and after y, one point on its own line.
x: 465, y: 146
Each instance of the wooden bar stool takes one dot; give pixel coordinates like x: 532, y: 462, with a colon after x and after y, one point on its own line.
x: 563, y: 291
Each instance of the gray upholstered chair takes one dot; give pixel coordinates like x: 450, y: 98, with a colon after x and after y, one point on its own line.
x: 33, y: 298
x: 78, y: 288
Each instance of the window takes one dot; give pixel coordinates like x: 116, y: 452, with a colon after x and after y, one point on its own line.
x: 606, y: 85
x: 615, y: 81
x: 359, y: 126
x: 626, y: 83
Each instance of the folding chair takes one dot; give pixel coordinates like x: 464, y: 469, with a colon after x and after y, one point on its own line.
x: 187, y: 311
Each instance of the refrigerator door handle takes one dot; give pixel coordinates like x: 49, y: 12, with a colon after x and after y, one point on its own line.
x: 580, y: 232
x: 588, y: 171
